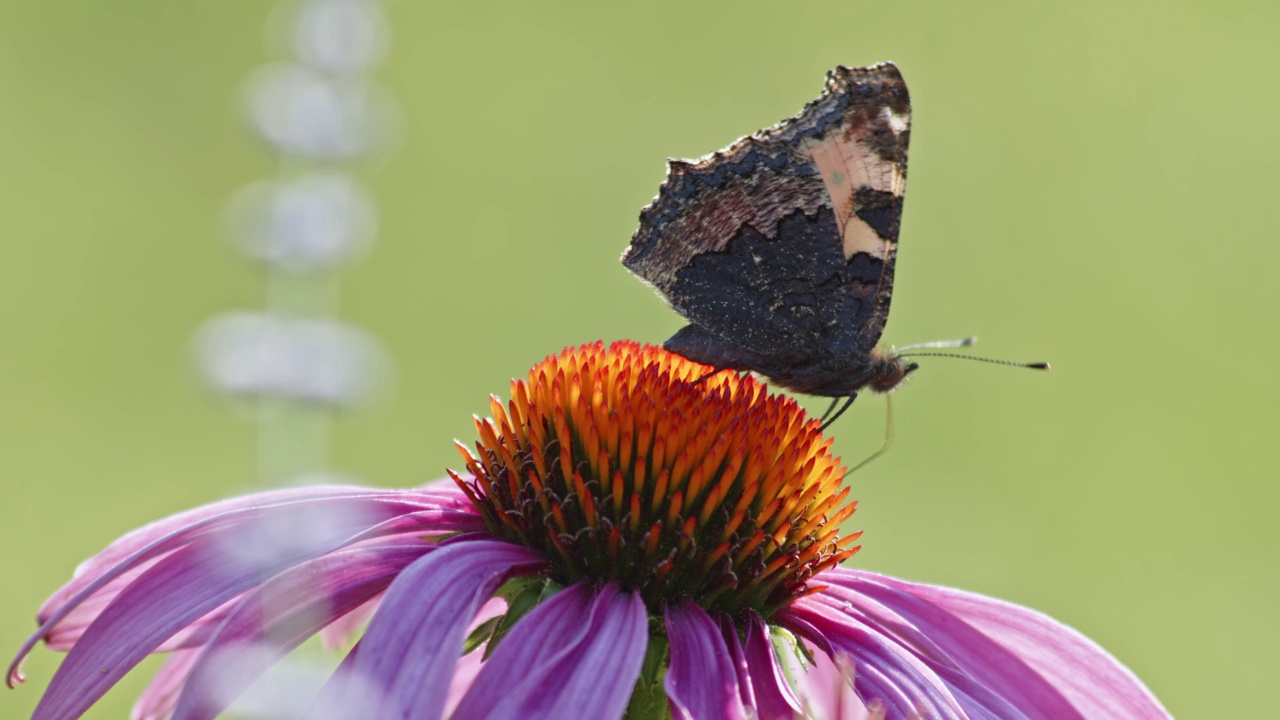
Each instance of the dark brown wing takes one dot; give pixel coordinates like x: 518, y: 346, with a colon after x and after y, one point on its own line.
x: 783, y: 244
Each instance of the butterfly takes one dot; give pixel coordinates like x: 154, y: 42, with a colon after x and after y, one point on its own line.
x: 779, y: 250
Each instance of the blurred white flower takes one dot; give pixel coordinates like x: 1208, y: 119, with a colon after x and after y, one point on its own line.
x: 320, y: 360
x: 339, y: 36
x: 314, y: 222
x: 304, y: 112
x: 285, y: 692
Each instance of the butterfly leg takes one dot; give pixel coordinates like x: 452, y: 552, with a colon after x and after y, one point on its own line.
x: 830, y: 408
x: 848, y: 401
x: 709, y: 375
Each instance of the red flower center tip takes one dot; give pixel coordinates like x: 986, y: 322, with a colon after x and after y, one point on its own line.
x: 630, y: 463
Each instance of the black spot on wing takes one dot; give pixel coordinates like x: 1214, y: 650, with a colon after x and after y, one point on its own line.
x: 880, y: 210
x: 865, y: 268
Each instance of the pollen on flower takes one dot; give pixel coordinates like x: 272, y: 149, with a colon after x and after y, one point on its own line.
x: 630, y: 463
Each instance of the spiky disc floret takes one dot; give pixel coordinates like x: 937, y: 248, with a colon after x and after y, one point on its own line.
x: 630, y: 463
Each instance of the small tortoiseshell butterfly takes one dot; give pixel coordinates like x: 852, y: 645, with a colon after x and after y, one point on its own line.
x: 779, y: 250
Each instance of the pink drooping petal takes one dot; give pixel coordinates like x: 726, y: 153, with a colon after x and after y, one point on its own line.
x: 344, y: 686
x: 161, y: 696
x: 599, y: 675
x: 1040, y: 666
x: 409, y: 528
x: 281, y: 614
x: 189, y: 583
x: 464, y: 675
x: 346, y: 629
x: 577, y: 654
x: 738, y: 658
x: 199, y: 631
x: 974, y: 699
x: 469, y: 665
x: 825, y: 689
x: 253, y: 524
x: 774, y: 697
x: 886, y: 672
x: 403, y: 665
x: 701, y: 682
x: 170, y: 533
x: 112, y: 569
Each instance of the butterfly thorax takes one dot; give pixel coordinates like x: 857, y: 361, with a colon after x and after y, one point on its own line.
x: 888, y: 371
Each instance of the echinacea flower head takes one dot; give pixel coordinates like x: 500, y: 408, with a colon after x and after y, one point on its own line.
x: 634, y: 465
x: 632, y: 536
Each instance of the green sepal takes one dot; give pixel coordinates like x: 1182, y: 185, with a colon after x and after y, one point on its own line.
x: 649, y: 698
x: 521, y: 597
x: 785, y: 643
x: 480, y: 635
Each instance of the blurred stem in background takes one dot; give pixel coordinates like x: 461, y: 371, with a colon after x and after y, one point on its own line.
x: 319, y: 113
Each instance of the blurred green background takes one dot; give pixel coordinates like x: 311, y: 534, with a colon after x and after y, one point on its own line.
x: 1091, y: 183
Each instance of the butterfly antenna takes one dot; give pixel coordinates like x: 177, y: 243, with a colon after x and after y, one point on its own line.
x: 962, y: 342
x: 993, y: 361
x: 888, y: 438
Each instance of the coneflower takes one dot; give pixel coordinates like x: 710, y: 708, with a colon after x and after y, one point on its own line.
x: 627, y: 538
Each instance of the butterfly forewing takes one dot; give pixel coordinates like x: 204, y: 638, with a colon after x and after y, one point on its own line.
x: 779, y: 250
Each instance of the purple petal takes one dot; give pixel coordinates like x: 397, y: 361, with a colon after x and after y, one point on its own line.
x: 280, y: 615
x: 468, y: 667
x: 165, y: 536
x: 464, y: 675
x: 344, y: 630
x: 600, y: 675
x: 169, y: 533
x: 408, y: 528
x: 774, y: 698
x: 338, y: 689
x: 975, y: 699
x: 826, y: 689
x: 68, y: 613
x: 904, y: 685
x: 187, y: 584
x: 161, y: 696
x: 577, y: 654
x: 405, y: 661
x: 1042, y: 667
x: 738, y: 658
x: 701, y: 682
x: 97, y: 584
